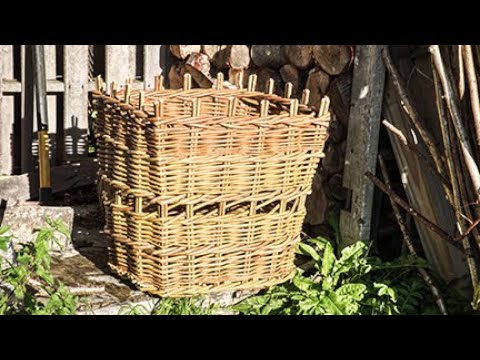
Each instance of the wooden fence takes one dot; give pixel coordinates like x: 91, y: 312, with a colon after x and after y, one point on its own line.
x: 71, y: 70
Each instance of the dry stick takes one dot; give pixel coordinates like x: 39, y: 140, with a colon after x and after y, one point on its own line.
x: 408, y: 241
x: 83, y: 291
x: 412, y: 113
x: 473, y: 87
x: 403, y: 139
x: 461, y: 73
x: 472, y: 265
x: 446, y: 142
x: 469, y: 230
x: 455, y: 114
x: 403, y: 204
x: 450, y: 153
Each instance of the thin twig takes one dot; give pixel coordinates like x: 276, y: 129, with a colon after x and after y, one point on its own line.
x: 403, y: 139
x: 83, y: 291
x: 461, y: 72
x: 412, y: 113
x: 408, y: 241
x: 473, y: 87
x: 403, y: 204
x: 468, y: 231
x: 456, y: 117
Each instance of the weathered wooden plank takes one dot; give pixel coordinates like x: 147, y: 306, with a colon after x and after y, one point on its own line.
x: 76, y: 101
x: 51, y: 73
x: 15, y: 86
x: 151, y: 66
x: 25, y: 187
x: 28, y: 110
x: 362, y: 143
x: 6, y: 111
x: 119, y: 63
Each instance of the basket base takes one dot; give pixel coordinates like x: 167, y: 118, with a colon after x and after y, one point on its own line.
x: 196, y: 290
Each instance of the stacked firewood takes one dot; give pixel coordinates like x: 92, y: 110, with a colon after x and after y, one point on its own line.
x: 322, y: 69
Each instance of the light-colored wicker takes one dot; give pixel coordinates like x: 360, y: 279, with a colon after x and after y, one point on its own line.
x: 204, y: 189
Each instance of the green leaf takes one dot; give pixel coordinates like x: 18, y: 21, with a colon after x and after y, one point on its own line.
x: 62, y: 228
x: 384, y: 290
x: 356, y: 291
x: 353, y: 253
x: 333, y: 304
x: 4, y: 240
x: 303, y: 283
x: 4, y: 229
x: 328, y: 260
x: 307, y: 250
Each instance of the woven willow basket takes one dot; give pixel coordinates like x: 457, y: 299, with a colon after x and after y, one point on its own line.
x: 204, y: 190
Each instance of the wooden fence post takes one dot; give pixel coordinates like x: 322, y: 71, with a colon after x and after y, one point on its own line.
x: 7, y: 117
x: 119, y: 63
x: 362, y: 143
x: 152, y: 66
x: 76, y: 100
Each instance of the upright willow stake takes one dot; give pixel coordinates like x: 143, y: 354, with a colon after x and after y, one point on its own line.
x: 408, y: 241
x: 473, y: 87
x: 456, y: 117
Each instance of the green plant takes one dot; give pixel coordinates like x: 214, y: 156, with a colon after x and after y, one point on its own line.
x: 170, y: 306
x: 182, y: 306
x: 351, y: 284
x: 29, y: 287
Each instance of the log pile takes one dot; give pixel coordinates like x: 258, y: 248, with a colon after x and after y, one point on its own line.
x: 325, y: 70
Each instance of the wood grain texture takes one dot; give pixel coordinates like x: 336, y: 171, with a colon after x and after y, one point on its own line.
x: 6, y: 111
x: 362, y: 143
x: 76, y: 101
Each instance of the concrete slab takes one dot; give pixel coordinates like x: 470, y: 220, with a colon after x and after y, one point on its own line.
x: 26, y: 219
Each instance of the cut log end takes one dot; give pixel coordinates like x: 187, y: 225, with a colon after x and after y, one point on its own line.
x: 333, y: 59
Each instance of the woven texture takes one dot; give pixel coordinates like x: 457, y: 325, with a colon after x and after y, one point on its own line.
x: 204, y: 190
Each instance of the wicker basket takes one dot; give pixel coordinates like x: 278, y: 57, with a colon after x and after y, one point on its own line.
x: 204, y: 190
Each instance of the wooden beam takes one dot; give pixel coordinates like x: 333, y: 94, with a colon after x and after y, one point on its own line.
x: 151, y: 66
x: 76, y: 101
x: 51, y: 73
x: 7, y: 118
x: 119, y: 63
x: 362, y: 143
